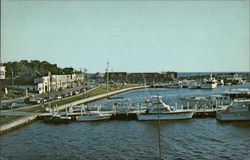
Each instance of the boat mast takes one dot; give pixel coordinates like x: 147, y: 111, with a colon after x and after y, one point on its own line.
x: 107, y: 70
x: 159, y: 130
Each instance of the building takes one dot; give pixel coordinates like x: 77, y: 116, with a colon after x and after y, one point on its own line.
x: 119, y: 77
x: 2, y: 72
x: 57, y: 82
x: 151, y: 77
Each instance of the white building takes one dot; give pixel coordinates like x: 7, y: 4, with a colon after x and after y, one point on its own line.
x: 57, y: 82
x: 2, y: 72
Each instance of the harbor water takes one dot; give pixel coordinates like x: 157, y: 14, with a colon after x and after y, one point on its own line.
x: 203, y: 138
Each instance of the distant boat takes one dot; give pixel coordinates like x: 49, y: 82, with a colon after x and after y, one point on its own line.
x: 166, y: 112
x: 115, y: 97
x: 238, y: 93
x: 238, y: 110
x: 209, y: 83
x: 174, y: 85
x: 92, y: 116
x: 58, y: 119
x: 220, y: 82
x: 193, y: 85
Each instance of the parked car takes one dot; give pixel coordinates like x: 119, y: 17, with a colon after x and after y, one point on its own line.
x: 49, y: 98
x: 33, y: 100
x: 58, y: 97
x: 11, y: 106
x: 65, y: 95
x: 70, y: 93
x: 76, y: 92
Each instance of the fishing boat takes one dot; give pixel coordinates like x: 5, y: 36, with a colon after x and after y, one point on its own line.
x: 193, y: 85
x: 57, y: 118
x: 236, y: 111
x: 238, y: 93
x: 93, y: 115
x: 209, y: 83
x: 157, y: 109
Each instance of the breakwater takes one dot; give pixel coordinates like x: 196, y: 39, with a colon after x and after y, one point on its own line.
x: 17, y: 123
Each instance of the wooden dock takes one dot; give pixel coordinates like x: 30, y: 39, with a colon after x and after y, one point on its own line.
x: 131, y: 115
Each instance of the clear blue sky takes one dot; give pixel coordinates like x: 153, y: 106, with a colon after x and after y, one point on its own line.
x: 134, y: 36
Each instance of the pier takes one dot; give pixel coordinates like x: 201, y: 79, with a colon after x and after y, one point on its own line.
x: 130, y: 115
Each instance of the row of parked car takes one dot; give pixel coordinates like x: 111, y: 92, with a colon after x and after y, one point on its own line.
x: 11, y: 106
x: 36, y: 100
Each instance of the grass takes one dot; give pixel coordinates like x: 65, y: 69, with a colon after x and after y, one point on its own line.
x: 33, y: 109
x: 5, y: 119
x: 95, y: 92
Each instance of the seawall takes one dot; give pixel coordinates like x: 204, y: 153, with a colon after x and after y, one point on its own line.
x: 17, y: 123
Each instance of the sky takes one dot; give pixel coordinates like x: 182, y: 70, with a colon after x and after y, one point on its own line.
x: 133, y: 36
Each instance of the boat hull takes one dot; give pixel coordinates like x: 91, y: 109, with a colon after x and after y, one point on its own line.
x: 165, y: 116
x: 233, y: 116
x: 86, y: 118
x: 208, y: 86
x: 58, y: 120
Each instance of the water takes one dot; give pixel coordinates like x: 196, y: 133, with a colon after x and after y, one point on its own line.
x: 189, y: 139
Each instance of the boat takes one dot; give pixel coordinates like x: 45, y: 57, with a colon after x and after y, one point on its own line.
x: 157, y: 109
x: 195, y: 98
x: 238, y: 110
x: 220, y: 101
x: 57, y: 118
x: 92, y: 116
x: 209, y: 83
x: 174, y: 85
x: 238, y: 93
x: 193, y: 85
x: 220, y: 82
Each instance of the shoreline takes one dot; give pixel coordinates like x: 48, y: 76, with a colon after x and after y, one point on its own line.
x: 28, y: 119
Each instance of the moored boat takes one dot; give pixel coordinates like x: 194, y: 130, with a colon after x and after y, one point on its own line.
x: 57, y: 118
x: 236, y: 111
x: 157, y: 109
x: 209, y: 83
x: 92, y: 116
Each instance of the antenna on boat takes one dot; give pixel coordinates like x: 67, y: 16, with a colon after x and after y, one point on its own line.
x: 147, y: 97
x: 159, y: 129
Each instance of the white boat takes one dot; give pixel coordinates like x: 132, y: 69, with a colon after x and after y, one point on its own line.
x: 220, y: 82
x: 193, y: 85
x: 238, y: 93
x: 220, y: 101
x: 209, y: 83
x: 157, y: 109
x: 57, y: 118
x: 93, y: 115
x: 237, y: 110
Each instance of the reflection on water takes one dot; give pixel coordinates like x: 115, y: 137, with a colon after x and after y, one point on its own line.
x: 186, y: 139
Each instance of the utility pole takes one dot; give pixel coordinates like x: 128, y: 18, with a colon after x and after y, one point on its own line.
x: 107, y: 70
x: 12, y: 79
x: 49, y: 83
x: 84, y: 81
